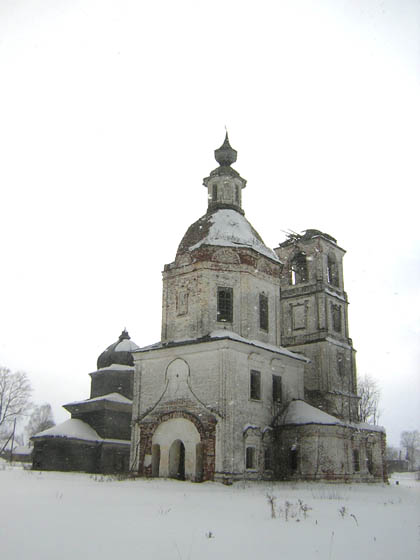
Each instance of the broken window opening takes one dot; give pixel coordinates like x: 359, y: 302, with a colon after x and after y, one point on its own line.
x: 356, y: 460
x: 277, y: 389
x: 332, y: 271
x: 225, y: 305
x: 293, y: 459
x: 250, y: 458
x: 336, y: 317
x: 255, y: 385
x: 263, y: 312
x: 340, y: 365
x: 298, y: 269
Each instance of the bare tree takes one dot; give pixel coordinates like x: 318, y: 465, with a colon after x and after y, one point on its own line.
x: 41, y: 419
x: 392, y: 453
x: 369, y: 396
x: 15, y: 391
x: 410, y: 441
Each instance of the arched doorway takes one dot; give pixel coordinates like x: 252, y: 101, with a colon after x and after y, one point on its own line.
x: 177, y: 460
x: 177, y: 440
x: 155, y: 459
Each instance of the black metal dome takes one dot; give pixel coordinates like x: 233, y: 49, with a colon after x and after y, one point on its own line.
x: 119, y: 352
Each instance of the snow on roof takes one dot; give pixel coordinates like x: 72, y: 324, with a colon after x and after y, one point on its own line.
x: 230, y: 229
x: 364, y: 426
x: 300, y: 412
x: 222, y: 333
x: 113, y: 367
x: 73, y: 428
x: 117, y: 366
x: 113, y: 397
x: 23, y: 450
x: 250, y: 427
x: 126, y: 345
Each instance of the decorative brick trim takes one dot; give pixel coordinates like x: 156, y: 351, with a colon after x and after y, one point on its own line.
x: 206, y: 427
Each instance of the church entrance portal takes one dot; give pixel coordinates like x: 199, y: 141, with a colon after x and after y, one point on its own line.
x: 177, y: 460
x: 177, y: 450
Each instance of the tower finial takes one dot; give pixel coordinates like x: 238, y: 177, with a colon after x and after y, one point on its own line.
x: 225, y: 155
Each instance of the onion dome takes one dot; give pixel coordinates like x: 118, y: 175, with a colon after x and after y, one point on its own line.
x: 225, y: 155
x: 119, y: 352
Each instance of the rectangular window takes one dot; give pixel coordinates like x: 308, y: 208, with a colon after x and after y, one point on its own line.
x: 214, y: 193
x: 182, y: 302
x: 263, y: 312
x: 277, y: 389
x: 225, y: 305
x: 340, y: 365
x: 255, y: 385
x: 293, y: 459
x: 268, y: 464
x: 336, y: 317
x: 250, y: 459
x: 356, y: 460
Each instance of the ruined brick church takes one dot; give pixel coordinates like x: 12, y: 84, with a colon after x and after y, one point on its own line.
x: 254, y: 376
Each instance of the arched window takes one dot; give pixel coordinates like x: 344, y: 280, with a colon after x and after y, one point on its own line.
x: 298, y: 269
x: 332, y: 271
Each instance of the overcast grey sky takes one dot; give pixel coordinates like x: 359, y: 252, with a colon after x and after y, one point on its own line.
x: 109, y: 115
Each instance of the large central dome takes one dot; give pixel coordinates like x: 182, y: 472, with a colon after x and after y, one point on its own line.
x: 225, y: 228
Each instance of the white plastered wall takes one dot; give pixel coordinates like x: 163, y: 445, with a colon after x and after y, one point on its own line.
x: 170, y: 431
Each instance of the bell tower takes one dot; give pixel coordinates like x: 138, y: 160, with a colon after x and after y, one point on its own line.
x: 314, y: 313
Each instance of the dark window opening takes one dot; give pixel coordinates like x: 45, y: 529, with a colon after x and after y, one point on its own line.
x: 255, y: 385
x: 214, y: 193
x: 336, y: 317
x: 250, y: 462
x: 369, y: 461
x: 340, y: 365
x: 293, y: 459
x: 356, y: 460
x: 332, y: 271
x: 225, y: 304
x: 299, y: 269
x: 263, y: 312
x: 237, y: 194
x: 277, y: 389
x: 268, y: 463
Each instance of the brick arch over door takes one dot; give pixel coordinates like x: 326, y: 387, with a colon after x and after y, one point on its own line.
x: 206, y: 427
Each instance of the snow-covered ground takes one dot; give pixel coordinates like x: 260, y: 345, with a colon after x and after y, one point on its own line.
x: 49, y: 515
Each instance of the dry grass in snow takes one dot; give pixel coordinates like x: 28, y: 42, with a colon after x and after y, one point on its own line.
x: 48, y: 515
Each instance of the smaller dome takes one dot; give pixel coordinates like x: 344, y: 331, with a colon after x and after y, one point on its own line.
x: 119, y: 352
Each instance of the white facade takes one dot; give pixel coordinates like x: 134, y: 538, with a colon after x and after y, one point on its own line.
x: 212, y: 398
